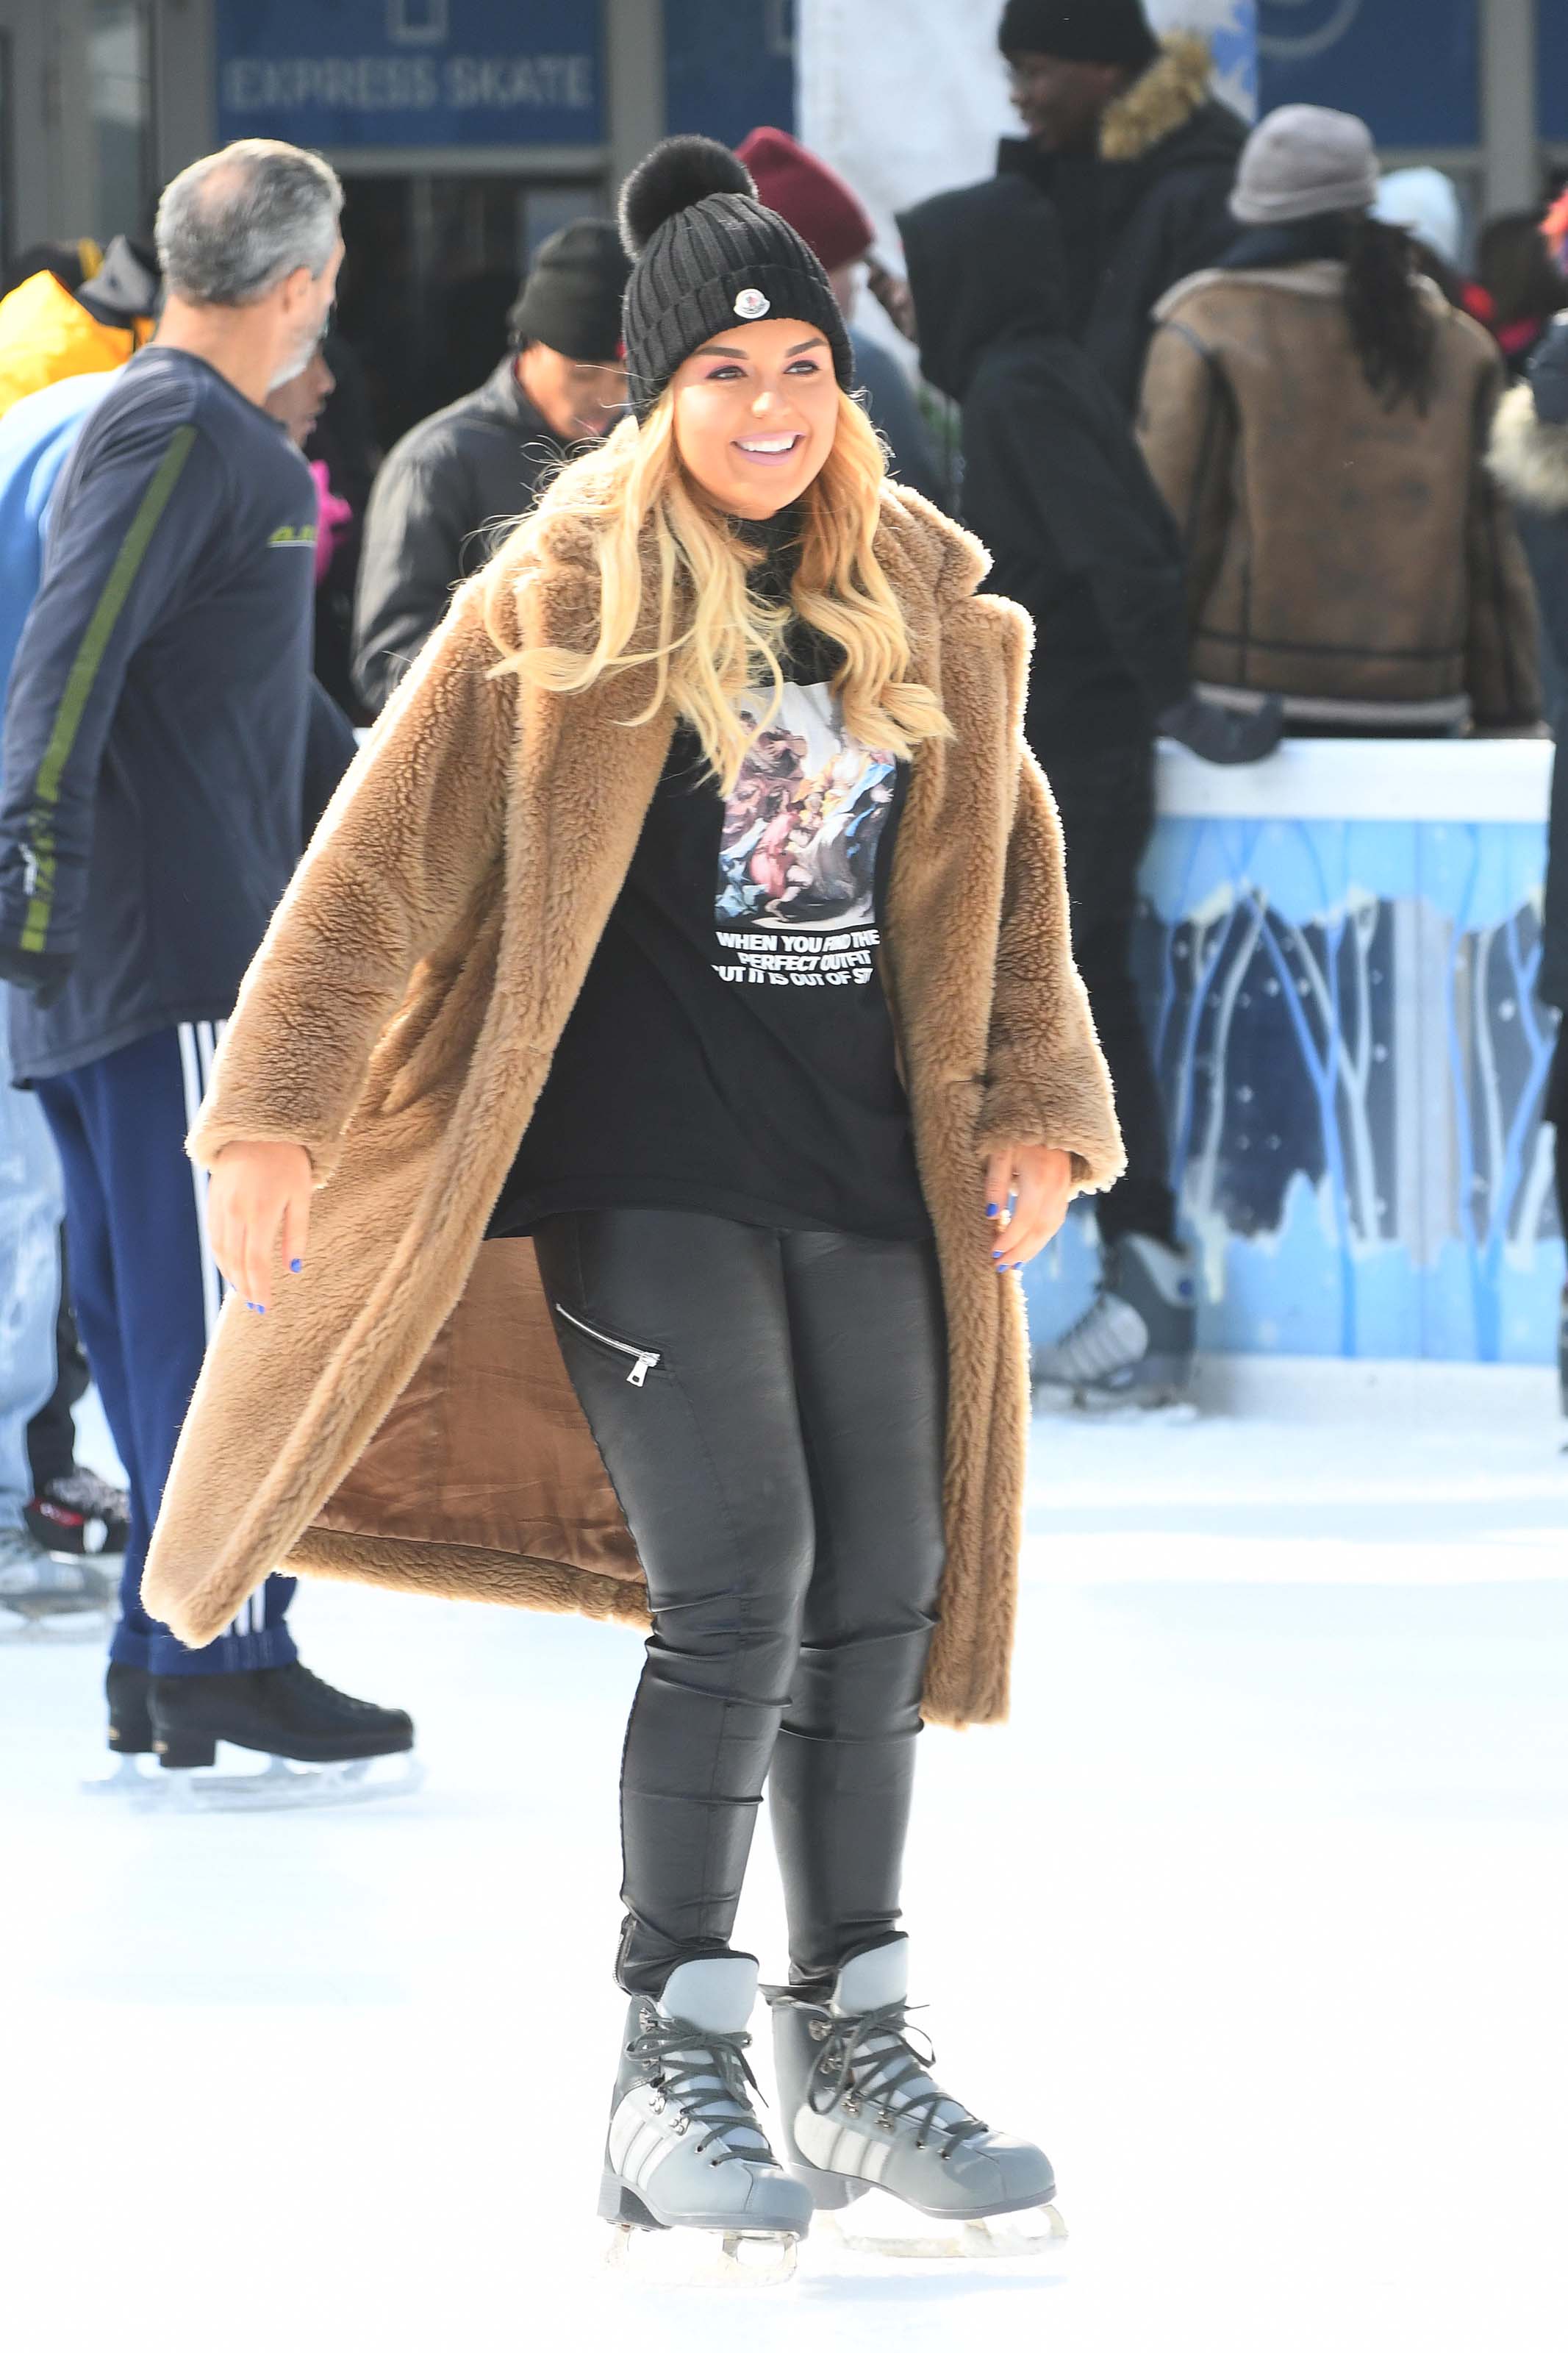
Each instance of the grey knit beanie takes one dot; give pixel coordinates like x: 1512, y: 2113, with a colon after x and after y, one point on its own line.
x: 705, y: 254
x: 1303, y: 160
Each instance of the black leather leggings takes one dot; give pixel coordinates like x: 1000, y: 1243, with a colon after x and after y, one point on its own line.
x: 770, y: 1407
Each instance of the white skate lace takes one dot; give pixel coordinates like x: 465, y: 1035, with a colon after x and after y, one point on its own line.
x: 870, y: 2058
x: 707, y: 2075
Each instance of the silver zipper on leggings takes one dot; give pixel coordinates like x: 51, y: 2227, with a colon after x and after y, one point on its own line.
x: 646, y: 1358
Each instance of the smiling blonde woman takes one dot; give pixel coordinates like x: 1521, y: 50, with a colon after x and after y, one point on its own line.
x: 673, y: 1047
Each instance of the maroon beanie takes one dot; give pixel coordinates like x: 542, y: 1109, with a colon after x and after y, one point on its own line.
x: 809, y: 194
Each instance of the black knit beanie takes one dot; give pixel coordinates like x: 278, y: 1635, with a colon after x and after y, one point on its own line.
x: 707, y: 255
x: 570, y: 298
x: 1091, y: 32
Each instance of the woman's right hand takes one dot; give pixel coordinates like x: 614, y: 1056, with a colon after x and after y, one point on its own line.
x: 259, y: 1197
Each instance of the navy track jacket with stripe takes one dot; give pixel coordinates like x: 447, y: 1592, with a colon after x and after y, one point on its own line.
x: 156, y: 721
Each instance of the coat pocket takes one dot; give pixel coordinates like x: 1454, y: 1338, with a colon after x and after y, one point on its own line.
x: 641, y: 1361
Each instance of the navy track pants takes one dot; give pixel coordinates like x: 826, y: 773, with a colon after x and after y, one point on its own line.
x: 147, y: 1295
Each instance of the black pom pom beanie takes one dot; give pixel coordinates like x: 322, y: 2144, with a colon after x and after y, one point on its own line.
x: 705, y: 254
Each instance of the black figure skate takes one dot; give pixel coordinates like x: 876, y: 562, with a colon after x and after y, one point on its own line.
x: 284, y: 1713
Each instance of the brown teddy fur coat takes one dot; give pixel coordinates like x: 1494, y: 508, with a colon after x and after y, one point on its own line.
x: 402, y: 1414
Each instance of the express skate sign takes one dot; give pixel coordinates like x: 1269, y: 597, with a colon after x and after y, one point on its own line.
x: 411, y: 73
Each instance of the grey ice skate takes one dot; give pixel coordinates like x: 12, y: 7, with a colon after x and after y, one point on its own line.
x: 1134, y: 1345
x: 35, y: 1585
x: 861, y: 2111
x: 685, y: 2149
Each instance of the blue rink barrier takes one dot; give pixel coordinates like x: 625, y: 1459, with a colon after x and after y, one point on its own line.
x: 1338, y: 951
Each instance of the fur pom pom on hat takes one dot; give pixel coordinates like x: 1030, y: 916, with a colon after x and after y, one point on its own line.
x: 671, y: 178
x: 707, y: 255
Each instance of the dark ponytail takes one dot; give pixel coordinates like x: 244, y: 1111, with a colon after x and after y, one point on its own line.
x: 1391, y: 326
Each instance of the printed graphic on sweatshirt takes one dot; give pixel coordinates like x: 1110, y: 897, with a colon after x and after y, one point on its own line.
x: 797, y: 857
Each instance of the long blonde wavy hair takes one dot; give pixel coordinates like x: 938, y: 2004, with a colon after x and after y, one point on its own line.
x: 716, y: 638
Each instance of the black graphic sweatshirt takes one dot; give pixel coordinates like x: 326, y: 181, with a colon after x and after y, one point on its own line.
x: 731, y: 1051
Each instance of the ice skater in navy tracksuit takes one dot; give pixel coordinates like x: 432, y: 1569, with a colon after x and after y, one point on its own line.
x: 149, y: 819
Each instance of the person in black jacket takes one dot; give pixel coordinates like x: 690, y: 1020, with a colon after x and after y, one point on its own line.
x: 1135, y: 153
x: 472, y: 469
x: 1054, y: 485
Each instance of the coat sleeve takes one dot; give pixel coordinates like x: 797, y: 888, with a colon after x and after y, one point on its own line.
x: 119, y: 561
x: 411, y: 560
x: 405, y: 848
x: 1046, y: 1078
x: 1502, y: 670
x: 1187, y: 429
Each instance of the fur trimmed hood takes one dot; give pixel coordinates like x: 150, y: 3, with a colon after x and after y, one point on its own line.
x: 1528, y: 459
x: 1164, y: 99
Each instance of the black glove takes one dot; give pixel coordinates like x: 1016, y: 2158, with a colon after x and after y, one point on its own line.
x: 1229, y: 738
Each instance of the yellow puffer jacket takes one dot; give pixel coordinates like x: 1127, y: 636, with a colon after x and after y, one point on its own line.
x: 45, y: 335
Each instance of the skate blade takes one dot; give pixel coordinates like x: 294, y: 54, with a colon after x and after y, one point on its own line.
x: 881, y: 2225
x: 278, y: 1788
x: 690, y: 2258
x: 84, y: 1620
x: 1115, y: 1405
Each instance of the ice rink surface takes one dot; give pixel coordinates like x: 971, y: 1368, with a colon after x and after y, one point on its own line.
x: 1254, y: 1914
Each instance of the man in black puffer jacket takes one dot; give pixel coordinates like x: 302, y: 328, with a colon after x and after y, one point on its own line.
x: 450, y: 487
x: 1137, y: 156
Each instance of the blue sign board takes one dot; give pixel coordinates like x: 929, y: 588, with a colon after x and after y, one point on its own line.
x: 729, y: 66
x: 1410, y: 67
x: 411, y: 73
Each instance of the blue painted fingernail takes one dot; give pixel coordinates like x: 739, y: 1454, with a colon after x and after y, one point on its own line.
x: 296, y: 1265
x: 251, y: 1304
x: 996, y: 1254
x: 990, y: 1208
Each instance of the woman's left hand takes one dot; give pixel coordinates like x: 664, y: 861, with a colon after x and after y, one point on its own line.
x: 1041, y: 1178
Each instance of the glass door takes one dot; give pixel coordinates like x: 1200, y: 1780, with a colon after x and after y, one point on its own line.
x: 432, y: 265
x: 119, y: 101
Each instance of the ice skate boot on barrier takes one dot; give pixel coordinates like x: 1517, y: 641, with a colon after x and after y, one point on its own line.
x: 685, y: 2153
x: 859, y: 2112
x: 1132, y: 1346
x: 321, y: 1745
x: 39, y: 1591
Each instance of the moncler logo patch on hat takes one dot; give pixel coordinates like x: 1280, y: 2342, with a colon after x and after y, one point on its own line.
x: 750, y: 303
